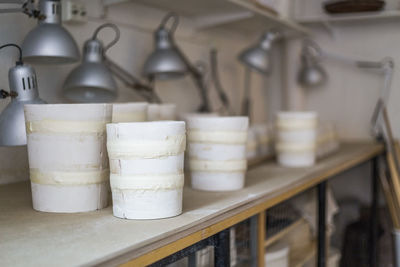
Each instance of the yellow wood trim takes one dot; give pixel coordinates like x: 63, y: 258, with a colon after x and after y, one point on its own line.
x: 177, y: 245
x: 260, y: 238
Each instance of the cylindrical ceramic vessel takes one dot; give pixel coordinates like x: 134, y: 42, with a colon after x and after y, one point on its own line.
x: 217, y: 152
x: 146, y: 162
x: 161, y: 112
x: 277, y: 255
x: 67, y: 153
x: 129, y: 112
x: 296, y: 138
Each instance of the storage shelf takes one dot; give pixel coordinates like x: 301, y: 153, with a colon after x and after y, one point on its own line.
x: 302, y: 255
x: 237, y: 15
x: 381, y: 15
x: 269, y: 241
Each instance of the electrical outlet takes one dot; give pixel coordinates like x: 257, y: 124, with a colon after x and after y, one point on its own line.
x: 73, y: 11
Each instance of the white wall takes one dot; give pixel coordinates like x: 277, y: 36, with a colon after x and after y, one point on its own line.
x: 349, y: 97
x: 136, y: 23
x: 351, y: 93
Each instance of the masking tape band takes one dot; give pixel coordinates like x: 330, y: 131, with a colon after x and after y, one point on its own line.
x: 147, y: 182
x: 129, y: 117
x: 218, y: 166
x: 220, y: 137
x: 131, y: 149
x: 68, y: 178
x: 296, y: 124
x: 299, y: 148
x: 53, y: 126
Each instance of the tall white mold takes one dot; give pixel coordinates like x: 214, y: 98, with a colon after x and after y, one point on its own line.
x: 146, y: 163
x: 161, y: 112
x: 217, y: 152
x: 68, y: 162
x: 296, y: 138
x: 129, y: 112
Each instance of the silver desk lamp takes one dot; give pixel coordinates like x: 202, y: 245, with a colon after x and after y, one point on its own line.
x: 168, y: 62
x: 23, y: 90
x: 48, y: 42
x: 93, y: 81
x: 311, y: 74
x: 257, y: 57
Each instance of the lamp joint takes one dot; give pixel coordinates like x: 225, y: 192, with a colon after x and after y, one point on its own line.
x: 4, y: 94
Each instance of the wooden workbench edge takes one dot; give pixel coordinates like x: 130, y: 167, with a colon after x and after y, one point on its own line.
x: 155, y: 251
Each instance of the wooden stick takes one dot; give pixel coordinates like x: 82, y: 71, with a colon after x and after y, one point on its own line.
x: 390, y: 199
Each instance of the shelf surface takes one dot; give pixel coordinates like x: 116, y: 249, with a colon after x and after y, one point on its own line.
x: 380, y: 15
x: 238, y: 15
x: 49, y: 239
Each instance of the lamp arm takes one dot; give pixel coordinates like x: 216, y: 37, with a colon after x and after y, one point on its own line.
x: 128, y: 79
x: 199, y: 81
x: 214, y: 73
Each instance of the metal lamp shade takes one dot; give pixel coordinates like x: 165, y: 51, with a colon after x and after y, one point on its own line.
x: 22, y: 81
x: 258, y: 56
x: 167, y: 61
x: 165, y: 64
x: 49, y: 42
x: 311, y: 73
x: 312, y: 76
x: 90, y: 82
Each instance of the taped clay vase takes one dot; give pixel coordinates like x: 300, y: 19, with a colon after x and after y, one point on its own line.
x: 129, y: 112
x: 67, y: 154
x: 161, y: 112
x: 146, y: 162
x: 217, y: 152
x: 297, y: 138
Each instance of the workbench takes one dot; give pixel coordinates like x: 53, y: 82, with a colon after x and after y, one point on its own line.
x: 28, y: 237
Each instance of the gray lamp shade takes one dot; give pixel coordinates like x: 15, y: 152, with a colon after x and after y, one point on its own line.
x: 166, y: 61
x: 258, y: 56
x: 22, y: 80
x: 91, y: 81
x: 49, y: 42
x: 311, y: 74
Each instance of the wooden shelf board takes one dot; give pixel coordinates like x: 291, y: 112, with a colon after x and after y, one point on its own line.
x: 236, y: 15
x: 101, y: 238
x: 387, y: 14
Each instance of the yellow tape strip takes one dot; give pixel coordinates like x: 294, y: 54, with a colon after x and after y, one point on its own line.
x: 147, y: 182
x: 219, y: 137
x: 218, y: 166
x: 131, y: 149
x: 68, y: 178
x: 52, y: 126
x: 296, y: 124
